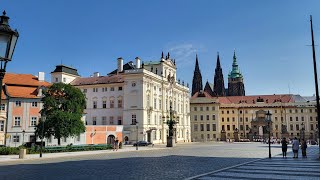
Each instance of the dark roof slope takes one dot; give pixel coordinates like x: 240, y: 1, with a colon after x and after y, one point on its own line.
x: 97, y: 80
x: 129, y: 65
x: 66, y: 69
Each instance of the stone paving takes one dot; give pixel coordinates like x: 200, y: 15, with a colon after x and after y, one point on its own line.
x: 184, y: 161
x: 275, y: 168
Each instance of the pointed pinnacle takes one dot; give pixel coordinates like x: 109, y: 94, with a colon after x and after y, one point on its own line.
x: 4, y: 13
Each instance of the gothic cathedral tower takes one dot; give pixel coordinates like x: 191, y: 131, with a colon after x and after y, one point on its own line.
x: 218, y: 85
x: 235, y: 80
x: 197, y: 79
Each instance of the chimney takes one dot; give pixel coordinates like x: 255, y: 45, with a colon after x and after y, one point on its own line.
x: 120, y: 64
x: 41, y: 76
x: 138, y: 63
x: 96, y: 74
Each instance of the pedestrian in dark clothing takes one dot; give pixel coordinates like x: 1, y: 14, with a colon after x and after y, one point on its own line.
x: 284, y: 147
x: 304, y: 148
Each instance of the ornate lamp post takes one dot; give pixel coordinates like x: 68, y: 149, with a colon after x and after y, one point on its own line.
x: 23, y: 132
x: 8, y: 41
x: 170, y: 122
x: 268, y: 120
x: 137, y: 129
x: 42, y: 134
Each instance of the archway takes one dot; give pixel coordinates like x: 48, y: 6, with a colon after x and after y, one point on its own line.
x: 110, y: 139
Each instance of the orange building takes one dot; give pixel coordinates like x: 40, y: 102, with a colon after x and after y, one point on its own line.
x: 102, y: 134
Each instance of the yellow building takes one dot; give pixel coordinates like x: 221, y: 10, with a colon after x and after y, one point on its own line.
x: 290, y: 115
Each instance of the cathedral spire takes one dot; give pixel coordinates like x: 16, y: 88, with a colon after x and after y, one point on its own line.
x: 218, y: 85
x: 197, y: 78
x: 235, y: 79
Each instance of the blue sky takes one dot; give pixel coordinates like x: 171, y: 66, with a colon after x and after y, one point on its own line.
x: 271, y: 38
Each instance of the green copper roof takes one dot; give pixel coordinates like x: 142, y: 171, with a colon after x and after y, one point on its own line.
x: 235, y: 73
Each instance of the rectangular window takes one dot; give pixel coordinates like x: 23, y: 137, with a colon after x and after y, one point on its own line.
x: 208, y: 136
x: 291, y: 127
x: 34, y: 104
x: 213, y: 108
x: 214, y: 127
x: 104, y: 120
x: 3, y: 107
x: 247, y: 119
x: 233, y: 119
x: 160, y: 104
x: 195, y: 108
x: 311, y: 127
x: 228, y: 119
x: 201, y: 108
x: 213, y: 117
x: 95, y: 104
x: 104, y: 104
x: 241, y: 127
x: 111, y: 103
x: 240, y: 119
x: 222, y: 127
x: 201, y: 127
x: 120, y: 89
x: 112, y: 89
x: 94, y: 120
x: 207, y: 108
x: 65, y: 139
x: 233, y: 127
x: 78, y: 138
x: 222, y: 119
x: 155, y: 103
x: 290, y: 118
x: 276, y: 118
x: 133, y: 119
x: 195, y: 127
x: 297, y: 119
x: 311, y: 119
x: 208, y: 127
x: 302, y: 118
x: 228, y: 127
x: 208, y: 117
x: 247, y: 127
x: 16, y: 138
x: 17, y: 121
x: 119, y: 120
x: 18, y: 103
x: 111, y: 120
x: 195, y: 117
x: 95, y: 89
x: 64, y: 80
x: 57, y: 79
x: 201, y: 117
x: 119, y: 103
x: 84, y: 90
x: 297, y: 127
x: 1, y: 125
x: 33, y: 121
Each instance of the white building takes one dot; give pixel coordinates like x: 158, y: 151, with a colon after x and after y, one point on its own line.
x: 137, y: 93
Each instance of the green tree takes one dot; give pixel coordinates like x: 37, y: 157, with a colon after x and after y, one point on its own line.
x: 61, y: 114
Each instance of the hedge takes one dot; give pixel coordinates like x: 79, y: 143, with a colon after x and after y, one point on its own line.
x: 54, y: 149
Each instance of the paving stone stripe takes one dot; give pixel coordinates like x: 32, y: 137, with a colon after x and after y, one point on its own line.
x: 275, y: 168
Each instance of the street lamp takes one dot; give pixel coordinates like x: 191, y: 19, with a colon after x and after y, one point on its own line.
x: 170, y: 122
x: 8, y: 41
x: 268, y: 120
x: 42, y: 134
x: 23, y: 131
x: 137, y: 129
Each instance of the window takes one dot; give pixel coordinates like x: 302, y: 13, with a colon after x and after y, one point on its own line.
x: 94, y: 120
x: 119, y: 120
x: 195, y: 117
x: 222, y: 119
x: 241, y: 127
x: 208, y: 127
x: 84, y: 90
x: 213, y: 108
x: 214, y: 127
x: 301, y: 110
x: 311, y: 119
x: 195, y: 108
x: 17, y: 121
x: 311, y: 127
x: 64, y: 80
x: 290, y: 118
x: 155, y: 103
x: 290, y: 110
x: 160, y: 104
x: 291, y: 127
x: 222, y: 127
x: 94, y: 104
x: 133, y: 84
x: 33, y: 121
x: 119, y: 103
x: 1, y: 125
x: 276, y: 118
x: 201, y: 108
x: 232, y: 111
x: 18, y: 103
x: 228, y: 119
x: 95, y: 89
x: 302, y: 118
x: 297, y: 127
x: 296, y: 110
x: 111, y: 120
x: 233, y: 119
x: 104, y: 120
x: 3, y: 107
x: 213, y: 117
x: 119, y: 88
x: 195, y: 127
x: 208, y: 117
x: 16, y: 138
x: 133, y: 119
x: 228, y: 127
x: 64, y: 139
x: 57, y: 79
x: 104, y: 104
x: 275, y: 111
x: 78, y: 138
x: 240, y: 119
x: 247, y: 127
x: 201, y: 117
x: 208, y: 136
x: 233, y: 127
x: 111, y: 103
x: 34, y: 104
x: 310, y: 110
x: 201, y: 127
x: 112, y: 89
x: 207, y: 108
x: 247, y: 119
x: 222, y: 112
x: 104, y: 89
x: 227, y: 112
x: 297, y: 119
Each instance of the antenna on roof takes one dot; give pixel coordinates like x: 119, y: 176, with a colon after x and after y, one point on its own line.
x: 61, y: 61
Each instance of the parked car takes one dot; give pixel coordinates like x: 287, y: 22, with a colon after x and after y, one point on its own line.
x: 143, y: 143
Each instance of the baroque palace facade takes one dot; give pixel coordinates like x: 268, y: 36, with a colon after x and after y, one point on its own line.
x: 220, y: 114
x: 135, y: 96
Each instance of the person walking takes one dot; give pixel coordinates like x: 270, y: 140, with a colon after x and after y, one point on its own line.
x: 295, y: 147
x: 284, y: 143
x: 304, y: 148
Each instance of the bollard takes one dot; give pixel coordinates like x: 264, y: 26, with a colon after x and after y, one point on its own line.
x: 22, y: 153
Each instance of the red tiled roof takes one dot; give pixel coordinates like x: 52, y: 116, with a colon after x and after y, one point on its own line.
x: 201, y: 94
x: 285, y: 98
x: 97, y: 80
x: 23, y: 79
x: 21, y: 85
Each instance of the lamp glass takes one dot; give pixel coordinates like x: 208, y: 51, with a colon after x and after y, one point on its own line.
x: 4, y: 40
x: 13, y: 42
